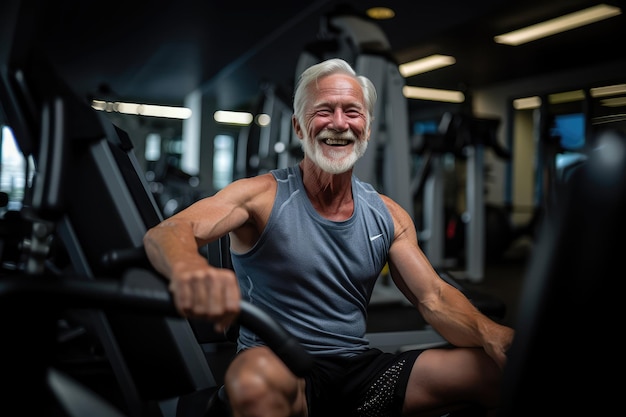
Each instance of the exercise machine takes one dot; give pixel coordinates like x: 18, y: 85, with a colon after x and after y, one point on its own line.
x: 568, y: 299
x: 465, y: 137
x: 88, y: 326
x: 387, y: 163
x: 262, y: 147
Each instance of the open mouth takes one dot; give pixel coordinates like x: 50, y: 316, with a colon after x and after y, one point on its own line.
x: 336, y: 142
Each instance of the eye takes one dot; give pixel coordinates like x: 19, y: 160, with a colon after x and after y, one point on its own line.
x: 324, y: 112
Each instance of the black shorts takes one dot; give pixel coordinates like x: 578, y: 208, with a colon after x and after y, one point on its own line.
x: 370, y: 384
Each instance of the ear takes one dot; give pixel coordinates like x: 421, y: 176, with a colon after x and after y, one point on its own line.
x: 296, y: 126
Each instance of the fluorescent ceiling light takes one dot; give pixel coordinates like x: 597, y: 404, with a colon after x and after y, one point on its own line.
x: 613, y: 102
x: 527, y: 103
x: 566, y: 97
x: 425, y: 64
x: 142, y: 109
x: 233, y: 117
x: 559, y: 24
x: 609, y: 90
x: 433, y: 94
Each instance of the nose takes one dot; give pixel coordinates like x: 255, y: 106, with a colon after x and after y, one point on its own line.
x: 339, y: 120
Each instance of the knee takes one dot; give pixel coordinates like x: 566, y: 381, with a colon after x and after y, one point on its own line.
x: 246, y: 390
x: 246, y: 380
x: 258, y: 383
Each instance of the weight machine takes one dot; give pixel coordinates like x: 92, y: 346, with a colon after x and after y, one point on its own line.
x: 88, y: 326
x: 387, y: 162
x: 465, y: 137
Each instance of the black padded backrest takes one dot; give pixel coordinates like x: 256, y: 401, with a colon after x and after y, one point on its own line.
x: 565, y: 347
x: 109, y: 209
x: 91, y: 187
x: 90, y: 191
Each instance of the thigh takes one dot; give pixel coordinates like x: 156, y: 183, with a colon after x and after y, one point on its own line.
x: 443, y: 378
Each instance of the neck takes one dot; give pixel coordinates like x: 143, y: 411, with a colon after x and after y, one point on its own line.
x: 330, y: 194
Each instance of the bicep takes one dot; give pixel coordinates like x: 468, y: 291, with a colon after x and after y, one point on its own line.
x: 410, y: 269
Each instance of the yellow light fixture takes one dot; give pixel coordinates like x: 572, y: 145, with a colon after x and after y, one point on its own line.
x: 566, y: 97
x: 613, y: 102
x: 558, y: 25
x: 527, y: 103
x: 609, y: 90
x: 380, y: 13
x: 429, y: 63
x: 433, y: 94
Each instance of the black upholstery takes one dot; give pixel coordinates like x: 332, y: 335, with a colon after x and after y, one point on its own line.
x: 564, y: 356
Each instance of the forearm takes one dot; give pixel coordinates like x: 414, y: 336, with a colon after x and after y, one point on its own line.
x: 169, y: 243
x: 453, y: 316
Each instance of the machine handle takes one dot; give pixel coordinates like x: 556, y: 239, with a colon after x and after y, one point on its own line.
x: 107, y: 294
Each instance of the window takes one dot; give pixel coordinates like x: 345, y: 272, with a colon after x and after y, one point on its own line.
x: 570, y: 128
x: 13, y: 170
x: 223, y: 160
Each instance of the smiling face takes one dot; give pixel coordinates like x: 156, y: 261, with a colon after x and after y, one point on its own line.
x: 335, y: 132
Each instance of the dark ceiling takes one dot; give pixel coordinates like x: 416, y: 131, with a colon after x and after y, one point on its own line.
x: 159, y: 51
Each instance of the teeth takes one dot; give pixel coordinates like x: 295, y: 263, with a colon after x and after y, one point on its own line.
x: 336, y: 141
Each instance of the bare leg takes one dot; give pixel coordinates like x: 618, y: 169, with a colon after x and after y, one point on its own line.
x: 443, y: 380
x: 259, y: 384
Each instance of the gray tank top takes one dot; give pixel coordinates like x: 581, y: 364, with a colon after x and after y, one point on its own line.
x: 313, y: 275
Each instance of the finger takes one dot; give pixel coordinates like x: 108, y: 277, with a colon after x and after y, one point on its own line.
x: 200, y: 297
x: 214, y: 298
x: 232, y: 298
x: 182, y: 297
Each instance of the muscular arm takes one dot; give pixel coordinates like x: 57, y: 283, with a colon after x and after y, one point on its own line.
x: 443, y: 306
x: 199, y: 289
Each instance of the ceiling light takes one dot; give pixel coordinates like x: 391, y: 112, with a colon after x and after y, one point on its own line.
x: 263, y: 119
x: 142, y: 109
x: 433, y: 94
x: 233, y: 117
x: 380, y: 13
x: 566, y: 97
x: 425, y: 64
x: 559, y: 24
x: 527, y: 103
x: 613, y: 102
x: 609, y: 90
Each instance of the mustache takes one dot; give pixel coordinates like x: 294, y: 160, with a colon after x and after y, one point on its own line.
x: 332, y: 134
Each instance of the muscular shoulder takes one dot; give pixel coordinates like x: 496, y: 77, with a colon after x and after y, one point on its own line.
x: 403, y: 224
x: 254, y: 185
x: 250, y: 201
x: 254, y: 193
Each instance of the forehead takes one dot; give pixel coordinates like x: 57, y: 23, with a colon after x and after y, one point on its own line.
x: 339, y: 85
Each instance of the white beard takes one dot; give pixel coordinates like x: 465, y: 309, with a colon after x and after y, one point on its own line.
x: 337, y: 161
